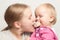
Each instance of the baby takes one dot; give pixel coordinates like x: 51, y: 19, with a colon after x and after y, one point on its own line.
x: 46, y: 17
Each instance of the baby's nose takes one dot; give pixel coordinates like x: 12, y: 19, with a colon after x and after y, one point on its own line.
x: 37, y: 19
x: 33, y: 19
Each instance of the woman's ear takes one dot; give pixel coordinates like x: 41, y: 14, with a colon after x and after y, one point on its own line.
x: 17, y: 24
x: 51, y: 18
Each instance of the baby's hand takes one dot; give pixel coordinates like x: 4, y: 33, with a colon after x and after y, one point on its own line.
x: 36, y: 24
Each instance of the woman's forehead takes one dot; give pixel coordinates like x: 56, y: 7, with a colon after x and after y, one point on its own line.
x: 27, y: 12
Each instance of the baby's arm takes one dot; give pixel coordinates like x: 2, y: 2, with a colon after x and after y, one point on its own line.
x: 46, y: 34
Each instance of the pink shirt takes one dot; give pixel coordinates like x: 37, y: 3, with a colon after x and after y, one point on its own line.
x: 44, y: 33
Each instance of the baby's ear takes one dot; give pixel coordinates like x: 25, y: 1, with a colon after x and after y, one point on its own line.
x: 51, y: 18
x: 17, y: 24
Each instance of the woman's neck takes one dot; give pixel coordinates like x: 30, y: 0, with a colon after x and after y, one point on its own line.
x: 17, y: 33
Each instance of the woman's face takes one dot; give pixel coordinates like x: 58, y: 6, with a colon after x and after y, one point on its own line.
x: 27, y: 21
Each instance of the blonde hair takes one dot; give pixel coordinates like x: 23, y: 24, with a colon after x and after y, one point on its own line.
x: 14, y: 13
x: 53, y: 11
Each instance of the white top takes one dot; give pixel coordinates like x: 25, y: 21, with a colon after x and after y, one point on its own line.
x: 54, y: 31
x: 7, y: 35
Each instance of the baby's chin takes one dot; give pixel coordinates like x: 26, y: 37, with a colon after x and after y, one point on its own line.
x: 45, y: 25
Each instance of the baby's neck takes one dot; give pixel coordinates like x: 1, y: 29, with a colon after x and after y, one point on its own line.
x: 49, y: 26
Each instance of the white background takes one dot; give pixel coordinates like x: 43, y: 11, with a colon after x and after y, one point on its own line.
x: 33, y: 4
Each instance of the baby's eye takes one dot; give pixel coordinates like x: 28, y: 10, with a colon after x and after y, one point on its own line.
x: 40, y: 16
x: 35, y: 16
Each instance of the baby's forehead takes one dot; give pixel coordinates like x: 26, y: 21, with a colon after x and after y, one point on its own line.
x: 43, y: 9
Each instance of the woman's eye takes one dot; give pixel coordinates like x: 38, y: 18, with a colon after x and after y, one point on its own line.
x: 29, y: 17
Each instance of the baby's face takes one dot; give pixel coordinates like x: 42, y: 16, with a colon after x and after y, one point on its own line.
x: 43, y: 15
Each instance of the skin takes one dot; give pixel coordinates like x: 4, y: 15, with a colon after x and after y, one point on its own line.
x: 43, y: 15
x: 27, y: 21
